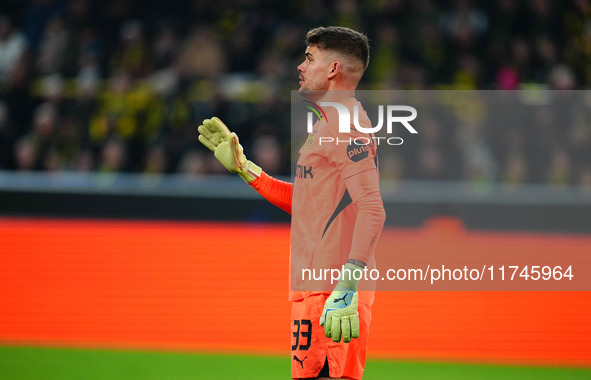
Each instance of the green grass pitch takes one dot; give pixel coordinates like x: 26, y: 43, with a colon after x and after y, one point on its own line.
x: 32, y: 363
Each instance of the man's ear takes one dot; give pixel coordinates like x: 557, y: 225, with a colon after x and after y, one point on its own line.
x: 335, y: 67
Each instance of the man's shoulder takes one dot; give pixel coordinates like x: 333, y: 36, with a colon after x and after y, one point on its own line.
x: 357, y: 116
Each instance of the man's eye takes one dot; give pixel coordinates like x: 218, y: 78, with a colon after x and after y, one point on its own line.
x: 309, y: 60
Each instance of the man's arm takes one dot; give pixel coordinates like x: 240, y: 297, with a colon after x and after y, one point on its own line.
x: 339, y: 316
x: 275, y: 191
x: 365, y: 194
x: 214, y: 134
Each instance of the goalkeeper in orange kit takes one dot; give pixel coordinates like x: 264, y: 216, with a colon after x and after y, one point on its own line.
x: 336, y: 207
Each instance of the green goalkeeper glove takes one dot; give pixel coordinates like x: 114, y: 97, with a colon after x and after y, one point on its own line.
x: 340, y: 316
x: 214, y: 134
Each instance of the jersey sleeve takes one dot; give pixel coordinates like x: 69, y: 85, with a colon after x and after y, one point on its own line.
x: 365, y: 195
x: 275, y: 191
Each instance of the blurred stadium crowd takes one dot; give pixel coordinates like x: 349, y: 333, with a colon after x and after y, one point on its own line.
x: 120, y: 85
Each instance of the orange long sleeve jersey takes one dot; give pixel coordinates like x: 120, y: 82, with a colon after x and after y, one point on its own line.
x: 335, y: 201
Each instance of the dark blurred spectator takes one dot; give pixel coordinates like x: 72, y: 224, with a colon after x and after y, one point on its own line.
x: 25, y: 154
x: 79, y: 14
x: 164, y: 47
x: 85, y: 161
x: 68, y: 141
x: 192, y: 164
x: 507, y: 21
x: 560, y: 169
x: 515, y: 171
x: 347, y: 13
x: 156, y: 160
x: 52, y: 161
x: 84, y: 106
x: 44, y: 132
x: 507, y: 78
x: 430, y: 164
x: 52, y: 51
x: 544, y: 18
x: 468, y: 73
x: 577, y: 47
x: 241, y: 46
x: 561, y: 77
x: 52, y: 90
x: 521, y: 58
x: 479, y: 162
x: 131, y: 54
x: 117, y: 114
x: 6, y: 137
x: 465, y: 25
x: 386, y: 53
x: 390, y: 166
x: 267, y: 151
x: 38, y: 14
x: 546, y: 57
x: 579, y: 138
x: 584, y: 182
x: 113, y: 156
x: 12, y: 49
x: 120, y: 85
x: 202, y: 55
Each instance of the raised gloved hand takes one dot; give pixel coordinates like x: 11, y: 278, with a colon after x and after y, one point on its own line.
x: 214, y: 134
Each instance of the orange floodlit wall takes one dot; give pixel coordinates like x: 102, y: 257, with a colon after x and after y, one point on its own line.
x: 224, y: 287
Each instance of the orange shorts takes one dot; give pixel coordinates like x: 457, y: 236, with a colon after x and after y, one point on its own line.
x: 311, y: 350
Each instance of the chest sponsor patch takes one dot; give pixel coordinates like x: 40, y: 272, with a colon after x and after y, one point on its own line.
x: 357, y: 152
x: 303, y: 171
x: 309, y: 141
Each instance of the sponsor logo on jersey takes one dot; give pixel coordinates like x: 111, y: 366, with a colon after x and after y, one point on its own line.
x: 357, y: 153
x: 309, y: 141
x: 303, y: 171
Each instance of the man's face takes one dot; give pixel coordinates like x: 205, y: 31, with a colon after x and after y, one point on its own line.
x: 314, y: 70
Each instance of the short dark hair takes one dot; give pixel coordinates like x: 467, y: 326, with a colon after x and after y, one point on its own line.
x: 342, y: 40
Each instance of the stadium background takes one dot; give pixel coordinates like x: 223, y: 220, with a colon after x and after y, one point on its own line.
x: 125, y: 249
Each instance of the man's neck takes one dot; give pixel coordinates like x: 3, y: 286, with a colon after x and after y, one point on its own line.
x: 336, y: 95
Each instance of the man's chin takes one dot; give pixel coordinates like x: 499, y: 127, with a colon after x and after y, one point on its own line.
x: 308, y: 94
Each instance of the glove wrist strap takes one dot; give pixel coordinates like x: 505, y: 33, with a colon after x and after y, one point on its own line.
x: 250, y: 172
x: 350, y: 277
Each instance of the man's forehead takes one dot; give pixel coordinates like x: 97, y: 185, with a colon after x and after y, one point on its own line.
x: 315, y: 51
x: 312, y: 49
